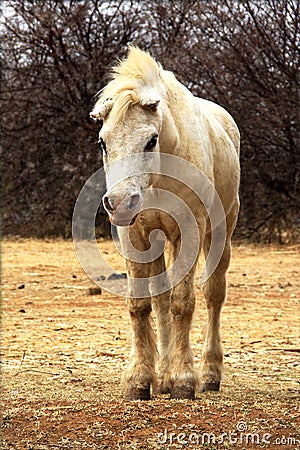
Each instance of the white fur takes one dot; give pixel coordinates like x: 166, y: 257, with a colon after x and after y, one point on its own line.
x: 141, y: 100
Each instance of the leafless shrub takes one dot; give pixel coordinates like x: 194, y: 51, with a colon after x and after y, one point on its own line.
x: 243, y: 55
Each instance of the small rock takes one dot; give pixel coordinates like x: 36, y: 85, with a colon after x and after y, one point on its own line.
x: 22, y: 286
x: 117, y: 276
x: 22, y: 311
x: 94, y: 291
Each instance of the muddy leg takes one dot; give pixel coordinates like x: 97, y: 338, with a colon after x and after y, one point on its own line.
x: 215, y: 294
x: 161, y: 303
x: 140, y: 373
x: 183, y: 377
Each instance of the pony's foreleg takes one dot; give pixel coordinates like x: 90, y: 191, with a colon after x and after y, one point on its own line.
x: 161, y: 293
x: 183, y: 377
x: 140, y: 373
x: 215, y: 293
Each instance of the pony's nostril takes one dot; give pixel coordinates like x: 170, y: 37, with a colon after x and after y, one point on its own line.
x: 108, y: 202
x: 134, y: 201
x: 112, y: 202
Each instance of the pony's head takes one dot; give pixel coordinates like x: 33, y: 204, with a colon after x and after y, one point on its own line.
x: 130, y: 108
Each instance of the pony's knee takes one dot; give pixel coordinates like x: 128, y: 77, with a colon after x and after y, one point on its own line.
x: 215, y: 291
x: 215, y: 287
x: 182, y: 306
x: 139, y: 307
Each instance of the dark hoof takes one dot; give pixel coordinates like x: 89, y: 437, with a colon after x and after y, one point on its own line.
x: 140, y: 393
x: 183, y: 392
x: 210, y: 386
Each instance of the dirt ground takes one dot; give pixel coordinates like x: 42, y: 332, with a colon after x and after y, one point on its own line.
x: 63, y: 352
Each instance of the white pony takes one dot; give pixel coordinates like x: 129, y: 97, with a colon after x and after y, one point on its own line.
x: 146, y: 111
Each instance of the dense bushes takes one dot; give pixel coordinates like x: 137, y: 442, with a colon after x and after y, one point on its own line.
x: 56, y: 55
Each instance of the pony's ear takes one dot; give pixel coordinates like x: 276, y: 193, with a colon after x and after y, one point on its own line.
x: 150, y: 103
x: 101, y: 109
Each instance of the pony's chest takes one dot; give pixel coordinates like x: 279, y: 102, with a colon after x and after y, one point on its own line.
x: 155, y: 219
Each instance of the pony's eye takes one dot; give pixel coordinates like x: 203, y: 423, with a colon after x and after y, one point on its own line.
x: 151, y: 144
x: 102, y: 146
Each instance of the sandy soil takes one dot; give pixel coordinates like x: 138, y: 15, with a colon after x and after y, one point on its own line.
x: 63, y: 352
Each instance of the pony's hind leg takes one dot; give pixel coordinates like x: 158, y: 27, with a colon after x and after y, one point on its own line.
x: 215, y: 293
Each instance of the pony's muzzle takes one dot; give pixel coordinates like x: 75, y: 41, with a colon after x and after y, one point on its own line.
x: 122, y: 210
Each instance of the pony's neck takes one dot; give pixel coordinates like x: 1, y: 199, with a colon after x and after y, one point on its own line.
x: 177, y: 108
x: 169, y: 140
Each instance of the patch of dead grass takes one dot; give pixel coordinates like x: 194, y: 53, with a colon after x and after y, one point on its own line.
x: 63, y: 352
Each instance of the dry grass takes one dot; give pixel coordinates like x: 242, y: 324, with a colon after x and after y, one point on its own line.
x: 63, y: 352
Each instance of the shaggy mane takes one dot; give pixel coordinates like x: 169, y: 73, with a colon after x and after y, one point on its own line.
x: 137, y: 72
